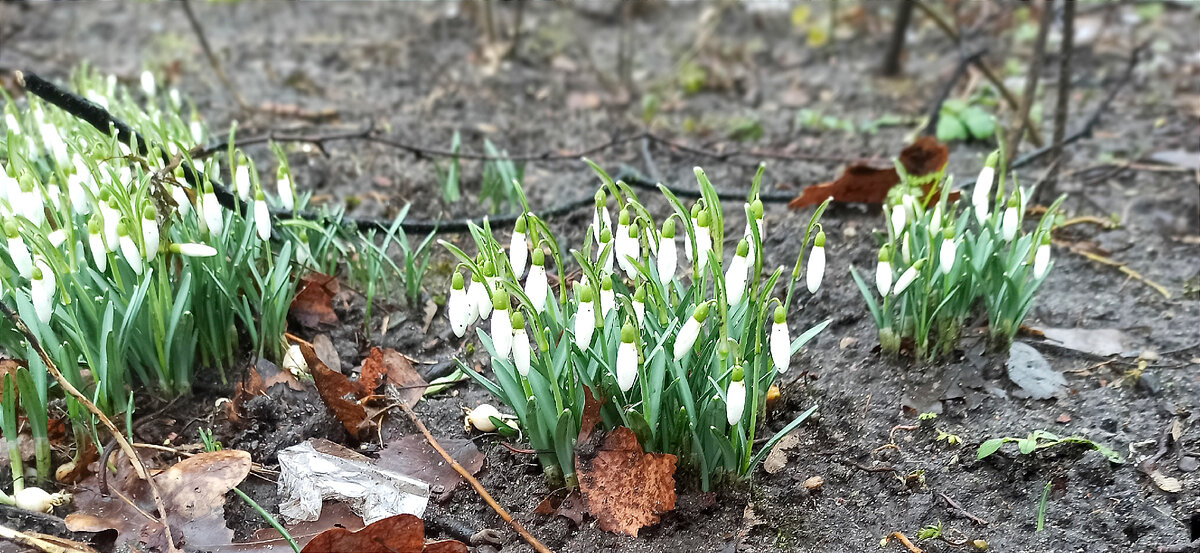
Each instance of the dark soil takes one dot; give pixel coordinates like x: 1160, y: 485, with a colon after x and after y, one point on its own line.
x: 421, y: 73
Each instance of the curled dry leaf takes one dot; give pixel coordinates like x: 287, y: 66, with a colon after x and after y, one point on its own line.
x: 865, y: 184
x: 339, y: 394
x: 313, y: 304
x: 570, y: 506
x: 625, y: 488
x: 398, y: 370
x: 397, y: 534
x: 193, y: 491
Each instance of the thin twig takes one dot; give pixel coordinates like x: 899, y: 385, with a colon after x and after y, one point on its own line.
x: 138, y: 466
x: 43, y: 543
x: 1034, y: 136
x: 1046, y: 191
x: 1124, y: 269
x: 487, y: 498
x: 893, y: 57
x: 1021, y: 120
x: 213, y: 60
x: 963, y: 511
x: 904, y: 540
x: 935, y: 108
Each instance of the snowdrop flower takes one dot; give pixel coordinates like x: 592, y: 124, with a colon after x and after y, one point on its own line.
x: 983, y: 187
x: 703, y: 240
x: 518, y: 248
x: 11, y: 123
x: 80, y: 202
x: 605, y: 241
x: 687, y: 244
x: 42, y: 286
x: 520, y: 344
x: 1041, y: 258
x: 899, y: 219
x: 756, y: 216
x: 148, y: 84
x: 502, y: 332
x: 536, y: 286
x: 639, y: 304
x: 600, y: 217
x: 456, y: 306
x: 150, y: 232
x: 109, y: 216
x: 190, y: 249
x: 30, y: 203
x: 608, y: 299
x: 9, y: 187
x: 129, y: 249
x: 907, y: 277
x: 287, y: 190
x: 241, y: 180
x: 948, y: 253
x: 197, y: 130
x: 54, y: 143
x: 690, y: 331
x: 18, y: 251
x: 935, y: 220
x: 816, y: 263
x: 479, y: 298
x: 735, y: 397
x: 735, y: 276
x: 906, y: 249
x: 631, y: 252
x: 627, y: 358
x: 621, y: 237
x: 214, y: 216
x: 667, y: 255
x: 262, y: 216
x: 883, y: 271
x: 585, y: 319
x: 1012, y: 218
x: 96, y: 243
x: 781, y: 341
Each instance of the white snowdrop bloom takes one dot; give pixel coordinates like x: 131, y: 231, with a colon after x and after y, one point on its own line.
x: 11, y: 123
x: 57, y: 237
x: 627, y: 358
x: 81, y: 203
x: 667, y: 256
x: 735, y: 398
x: 96, y: 243
x: 520, y: 344
x: 9, y: 187
x: 755, y: 209
x: 456, y: 306
x: 294, y: 361
x: 18, y: 251
x: 502, y: 332
x: 148, y: 84
x: 883, y: 271
x: 110, y: 216
x: 197, y: 131
x: 630, y: 253
x: 983, y: 187
x: 585, y: 319
x: 906, y: 249
x: 53, y: 143
x: 191, y: 249
x: 781, y: 341
x: 536, y: 285
x: 899, y: 219
x: 735, y: 275
x: 690, y: 331
x: 150, y: 239
x: 479, y: 298
x: 703, y: 240
x: 948, y: 253
x: 816, y: 264
x: 129, y: 249
x: 1012, y: 219
x: 600, y: 218
x: 639, y: 304
x: 1041, y: 257
x: 935, y: 220
x: 182, y: 202
x: 287, y: 190
x: 606, y: 243
x: 262, y: 216
x: 214, y: 214
x: 620, y: 237
x: 242, y: 182
x: 518, y: 248
x: 173, y: 95
x: 907, y: 277
x: 608, y: 299
x: 42, y: 286
x: 30, y: 202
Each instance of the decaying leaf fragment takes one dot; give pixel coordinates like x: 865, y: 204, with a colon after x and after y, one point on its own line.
x: 313, y: 304
x: 397, y: 534
x: 626, y: 489
x: 861, y: 183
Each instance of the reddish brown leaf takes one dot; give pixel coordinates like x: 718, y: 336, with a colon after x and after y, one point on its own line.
x: 413, y: 456
x: 398, y: 534
x: 626, y: 489
x: 862, y: 183
x: 338, y: 393
x: 313, y: 304
x: 570, y: 507
x: 591, y: 415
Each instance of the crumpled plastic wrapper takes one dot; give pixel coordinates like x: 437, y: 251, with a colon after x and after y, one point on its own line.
x: 319, y: 470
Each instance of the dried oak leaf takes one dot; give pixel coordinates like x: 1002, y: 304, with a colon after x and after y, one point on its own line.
x: 626, y: 489
x: 193, y: 492
x: 339, y: 394
x: 313, y: 304
x: 865, y: 184
x: 398, y: 370
x: 398, y: 534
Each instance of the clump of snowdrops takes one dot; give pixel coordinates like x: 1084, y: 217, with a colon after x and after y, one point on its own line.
x: 939, y: 263
x: 682, y: 353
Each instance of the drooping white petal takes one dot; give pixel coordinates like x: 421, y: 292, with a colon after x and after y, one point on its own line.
x: 537, y: 287
x: 518, y: 253
x: 627, y: 365
x: 639, y: 311
x: 456, y: 311
x: 1041, y: 260
x: 20, y: 256
x: 735, y: 280
x: 520, y: 351
x: 667, y: 259
x: 241, y: 181
x: 129, y: 251
x: 214, y: 217
x: 686, y: 338
x: 287, y: 192
x: 1011, y: 222
x: 781, y: 346
x: 502, y: 333
x: 191, y: 249
x: 148, y: 84
x: 585, y: 324
x: 99, y: 252
x: 262, y: 219
x: 479, y: 299
x: 735, y: 402
x: 947, y: 255
x: 816, y: 269
x: 703, y: 246
x: 883, y: 277
x: 150, y: 238
x: 906, y: 278
x: 979, y: 195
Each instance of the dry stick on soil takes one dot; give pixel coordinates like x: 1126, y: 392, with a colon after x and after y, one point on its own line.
x: 1124, y: 269
x: 963, y: 511
x: 212, y: 56
x: 894, y: 56
x: 134, y: 459
x: 40, y: 543
x: 487, y: 498
x: 904, y: 540
x: 1034, y: 135
x: 1046, y: 191
x: 1021, y: 121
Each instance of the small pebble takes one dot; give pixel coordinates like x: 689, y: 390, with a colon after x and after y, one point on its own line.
x: 1189, y: 464
x: 814, y: 483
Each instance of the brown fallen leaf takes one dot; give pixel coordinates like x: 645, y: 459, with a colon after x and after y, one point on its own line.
x: 625, y: 488
x: 339, y: 394
x: 413, y: 456
x: 861, y: 183
x: 591, y: 415
x: 398, y: 370
x: 398, y: 534
x: 313, y: 304
x: 570, y: 506
x: 328, y: 354
x: 193, y: 491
